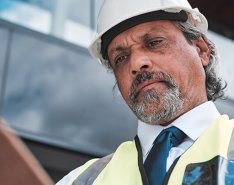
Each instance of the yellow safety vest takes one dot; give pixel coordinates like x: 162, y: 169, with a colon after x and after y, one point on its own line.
x: 200, y: 163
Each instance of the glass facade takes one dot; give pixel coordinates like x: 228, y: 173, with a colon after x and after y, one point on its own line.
x: 71, y: 20
x: 53, y: 91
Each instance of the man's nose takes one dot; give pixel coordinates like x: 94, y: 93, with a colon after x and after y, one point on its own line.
x: 139, y: 61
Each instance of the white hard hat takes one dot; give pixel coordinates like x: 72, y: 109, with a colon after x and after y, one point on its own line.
x: 117, y: 16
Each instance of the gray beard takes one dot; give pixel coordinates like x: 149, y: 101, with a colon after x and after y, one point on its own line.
x: 154, y: 108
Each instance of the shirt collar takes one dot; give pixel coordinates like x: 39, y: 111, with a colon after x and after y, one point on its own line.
x: 192, y: 123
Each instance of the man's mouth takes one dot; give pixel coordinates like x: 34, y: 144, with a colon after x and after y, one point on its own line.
x: 147, y: 81
x: 149, y: 84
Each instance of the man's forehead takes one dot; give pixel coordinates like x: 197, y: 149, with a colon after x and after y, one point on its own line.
x: 140, y: 33
x: 136, y: 19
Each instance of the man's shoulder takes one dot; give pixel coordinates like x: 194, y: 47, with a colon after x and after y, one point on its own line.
x: 75, y: 173
x: 94, y: 166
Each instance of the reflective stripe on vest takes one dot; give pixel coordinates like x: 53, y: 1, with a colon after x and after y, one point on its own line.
x: 81, y: 170
x: 123, y: 168
x: 91, y: 173
x: 124, y: 161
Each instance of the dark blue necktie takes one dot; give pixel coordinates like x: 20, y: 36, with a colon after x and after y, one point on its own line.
x: 155, y: 163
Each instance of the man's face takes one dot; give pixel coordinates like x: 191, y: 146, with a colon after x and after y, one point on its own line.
x: 159, y: 74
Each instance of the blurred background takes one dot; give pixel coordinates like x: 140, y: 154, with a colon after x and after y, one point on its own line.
x: 57, y: 98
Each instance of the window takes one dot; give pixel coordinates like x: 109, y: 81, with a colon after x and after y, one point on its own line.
x: 71, y: 20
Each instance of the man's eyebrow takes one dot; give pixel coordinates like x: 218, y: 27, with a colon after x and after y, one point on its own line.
x: 116, y: 49
x: 152, y: 30
x: 143, y: 37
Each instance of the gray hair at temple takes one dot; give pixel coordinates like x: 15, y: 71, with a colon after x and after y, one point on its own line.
x: 215, y: 85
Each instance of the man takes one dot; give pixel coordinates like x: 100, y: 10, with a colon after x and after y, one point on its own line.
x: 165, y: 67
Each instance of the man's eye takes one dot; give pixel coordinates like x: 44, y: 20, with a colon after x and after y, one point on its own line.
x: 153, y: 43
x: 120, y: 59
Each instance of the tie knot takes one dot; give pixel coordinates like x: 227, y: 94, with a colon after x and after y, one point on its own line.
x: 173, y: 134
x: 177, y: 136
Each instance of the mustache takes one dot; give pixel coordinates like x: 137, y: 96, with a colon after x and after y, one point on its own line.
x: 146, y: 75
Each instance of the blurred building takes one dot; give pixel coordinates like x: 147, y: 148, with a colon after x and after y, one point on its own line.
x: 58, y: 99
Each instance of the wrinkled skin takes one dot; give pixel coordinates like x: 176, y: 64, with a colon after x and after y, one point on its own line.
x: 159, y: 47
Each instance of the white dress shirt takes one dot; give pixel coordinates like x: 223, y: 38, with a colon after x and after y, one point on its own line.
x: 192, y: 123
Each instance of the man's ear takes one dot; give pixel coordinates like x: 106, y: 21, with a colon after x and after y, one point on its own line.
x: 203, y: 50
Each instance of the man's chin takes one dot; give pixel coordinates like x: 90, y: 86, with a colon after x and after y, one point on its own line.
x: 154, y: 108
x: 155, y: 114
x: 149, y: 115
